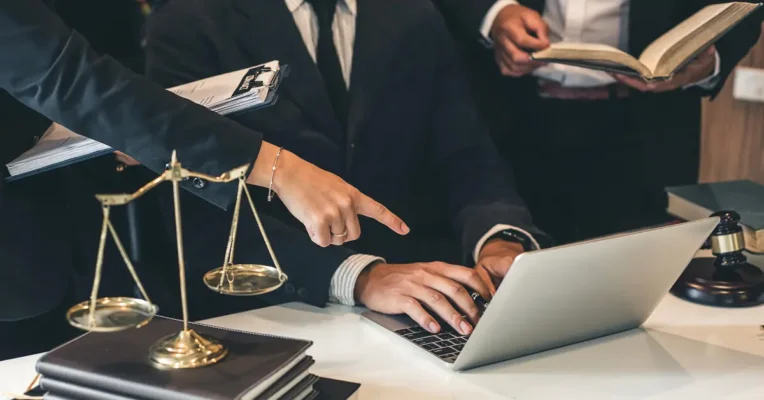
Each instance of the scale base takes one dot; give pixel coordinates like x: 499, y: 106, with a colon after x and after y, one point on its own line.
x: 702, y: 282
x: 186, y: 349
x: 245, y: 280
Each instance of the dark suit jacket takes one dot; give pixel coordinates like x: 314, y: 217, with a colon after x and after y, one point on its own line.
x: 52, y: 70
x: 668, y: 123
x: 414, y: 140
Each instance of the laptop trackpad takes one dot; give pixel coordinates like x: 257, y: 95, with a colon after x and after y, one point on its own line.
x: 390, y: 322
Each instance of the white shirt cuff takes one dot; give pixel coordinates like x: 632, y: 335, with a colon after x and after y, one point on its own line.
x: 711, y: 81
x: 490, y: 17
x: 496, y: 229
x: 342, y: 285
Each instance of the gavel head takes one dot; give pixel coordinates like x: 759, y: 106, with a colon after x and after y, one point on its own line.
x: 727, y: 239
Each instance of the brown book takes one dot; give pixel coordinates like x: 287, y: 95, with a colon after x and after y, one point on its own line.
x: 663, y: 57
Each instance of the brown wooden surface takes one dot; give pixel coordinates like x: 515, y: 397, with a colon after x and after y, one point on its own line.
x: 732, y: 144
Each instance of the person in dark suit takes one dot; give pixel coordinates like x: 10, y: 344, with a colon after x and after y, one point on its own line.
x: 592, y: 152
x: 374, y: 95
x: 51, y: 69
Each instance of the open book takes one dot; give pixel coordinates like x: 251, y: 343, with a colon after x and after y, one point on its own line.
x: 229, y: 93
x: 663, y: 57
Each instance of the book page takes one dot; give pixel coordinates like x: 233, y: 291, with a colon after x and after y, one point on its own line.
x: 592, y: 55
x: 668, y: 44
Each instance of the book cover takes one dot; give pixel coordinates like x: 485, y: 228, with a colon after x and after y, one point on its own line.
x: 285, y: 384
x: 745, y: 197
x: 118, y: 363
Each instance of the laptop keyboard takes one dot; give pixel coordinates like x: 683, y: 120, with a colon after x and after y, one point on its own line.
x: 445, y: 345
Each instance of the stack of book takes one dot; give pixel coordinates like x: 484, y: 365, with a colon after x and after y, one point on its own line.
x: 234, y: 92
x: 692, y: 202
x: 116, y: 366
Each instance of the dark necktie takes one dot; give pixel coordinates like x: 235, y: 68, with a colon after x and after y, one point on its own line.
x: 328, y: 61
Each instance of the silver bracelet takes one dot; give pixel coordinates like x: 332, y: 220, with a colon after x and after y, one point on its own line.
x: 273, y: 173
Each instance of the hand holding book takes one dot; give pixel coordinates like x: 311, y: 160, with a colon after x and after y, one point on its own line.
x: 700, y: 68
x: 664, y: 58
x: 517, y: 31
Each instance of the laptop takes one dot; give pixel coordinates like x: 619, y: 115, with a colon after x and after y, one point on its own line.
x: 564, y: 295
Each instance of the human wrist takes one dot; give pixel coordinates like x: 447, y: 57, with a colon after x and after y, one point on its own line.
x: 263, y: 173
x: 362, y: 282
x: 343, y: 282
x: 498, y: 246
x: 486, y: 27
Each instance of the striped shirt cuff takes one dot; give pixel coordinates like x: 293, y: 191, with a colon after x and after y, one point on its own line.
x: 342, y: 285
x: 496, y: 229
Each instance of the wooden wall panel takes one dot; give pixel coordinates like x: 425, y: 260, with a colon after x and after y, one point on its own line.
x: 732, y: 144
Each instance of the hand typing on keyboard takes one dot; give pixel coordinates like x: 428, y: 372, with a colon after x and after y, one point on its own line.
x: 494, y: 261
x: 424, y: 291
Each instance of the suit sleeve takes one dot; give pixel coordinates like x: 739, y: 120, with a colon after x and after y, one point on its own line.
x: 52, y: 70
x: 733, y: 46
x: 467, y: 15
x: 480, y: 186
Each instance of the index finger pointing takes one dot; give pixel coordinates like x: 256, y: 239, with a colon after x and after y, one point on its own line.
x: 373, y: 209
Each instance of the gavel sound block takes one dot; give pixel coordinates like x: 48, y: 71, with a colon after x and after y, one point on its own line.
x: 727, y: 280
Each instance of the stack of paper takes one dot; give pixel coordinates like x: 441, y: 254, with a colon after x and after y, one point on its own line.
x: 229, y: 93
x: 234, y: 91
x: 56, y: 146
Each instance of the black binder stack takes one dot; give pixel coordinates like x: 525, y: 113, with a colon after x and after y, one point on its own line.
x: 115, y: 366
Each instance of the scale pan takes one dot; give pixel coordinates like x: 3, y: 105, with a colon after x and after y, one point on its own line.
x: 245, y: 280
x: 112, y: 314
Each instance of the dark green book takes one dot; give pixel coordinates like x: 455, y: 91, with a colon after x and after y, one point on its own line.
x: 745, y: 197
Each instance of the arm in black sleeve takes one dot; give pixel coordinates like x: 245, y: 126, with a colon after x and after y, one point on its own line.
x: 52, y: 69
x: 480, y: 187
x: 467, y: 15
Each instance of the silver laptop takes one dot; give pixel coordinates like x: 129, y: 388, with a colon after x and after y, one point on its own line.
x: 564, y: 295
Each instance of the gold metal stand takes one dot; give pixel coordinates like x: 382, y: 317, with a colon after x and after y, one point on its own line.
x: 186, y: 349
x: 111, y: 314
x: 245, y: 279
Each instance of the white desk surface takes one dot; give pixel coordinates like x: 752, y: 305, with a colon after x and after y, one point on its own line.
x: 686, y: 352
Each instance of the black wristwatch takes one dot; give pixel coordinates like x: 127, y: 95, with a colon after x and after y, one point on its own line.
x: 511, y: 235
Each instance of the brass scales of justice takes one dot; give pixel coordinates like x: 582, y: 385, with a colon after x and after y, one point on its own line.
x: 186, y: 349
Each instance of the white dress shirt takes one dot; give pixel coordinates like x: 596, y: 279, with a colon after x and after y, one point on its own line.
x: 343, y: 281
x: 584, y: 21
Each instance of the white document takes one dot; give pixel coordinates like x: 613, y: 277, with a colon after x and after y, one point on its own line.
x: 235, y: 91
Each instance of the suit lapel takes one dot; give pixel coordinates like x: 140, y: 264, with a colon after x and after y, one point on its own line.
x: 373, y: 57
x: 267, y: 32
